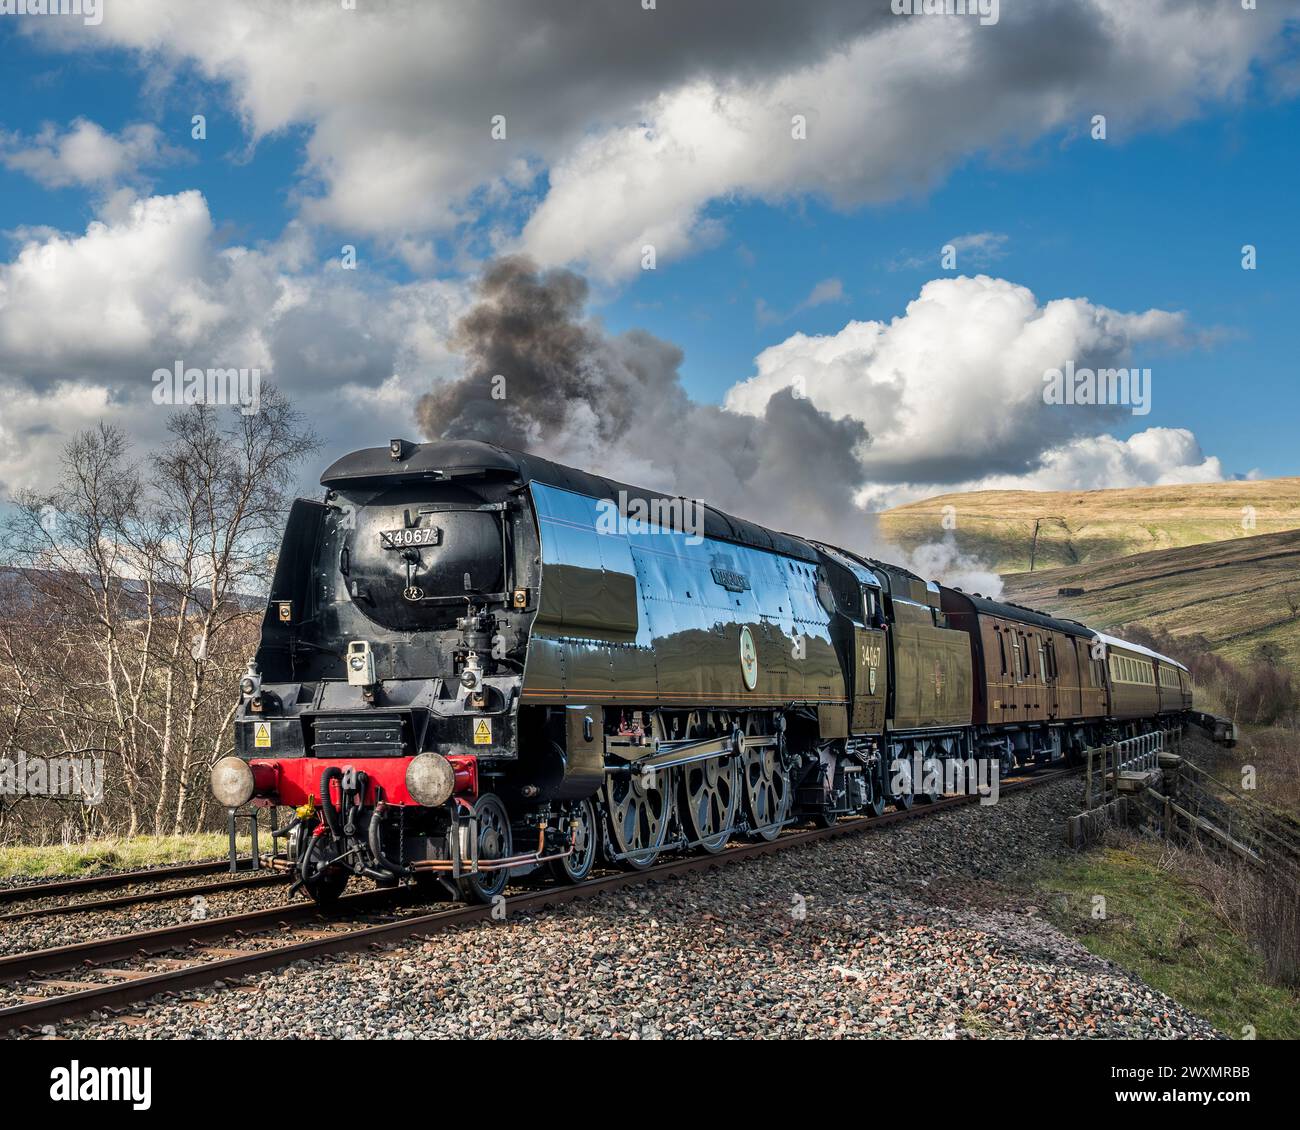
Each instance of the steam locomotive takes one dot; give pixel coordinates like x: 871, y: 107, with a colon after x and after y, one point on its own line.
x: 475, y: 663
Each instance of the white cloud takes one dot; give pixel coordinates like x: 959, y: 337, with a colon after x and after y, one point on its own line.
x: 887, y: 115
x: 977, y: 249
x: 84, y: 154
x: 34, y: 424
x: 641, y: 119
x: 826, y: 291
x: 399, y: 97
x: 112, y: 292
x: 1155, y: 457
x: 86, y: 319
x: 951, y: 392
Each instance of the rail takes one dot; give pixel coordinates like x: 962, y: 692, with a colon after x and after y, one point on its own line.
x: 110, y: 879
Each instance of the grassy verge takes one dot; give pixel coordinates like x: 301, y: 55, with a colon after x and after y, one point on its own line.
x: 1161, y: 927
x: 73, y: 860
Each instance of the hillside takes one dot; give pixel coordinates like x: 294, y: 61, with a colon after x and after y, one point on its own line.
x: 1238, y: 593
x: 1074, y: 527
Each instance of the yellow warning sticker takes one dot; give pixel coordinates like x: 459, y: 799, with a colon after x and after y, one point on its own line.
x: 262, y: 735
x: 483, y: 731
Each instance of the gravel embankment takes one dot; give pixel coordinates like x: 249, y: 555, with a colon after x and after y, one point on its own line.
x: 918, y: 930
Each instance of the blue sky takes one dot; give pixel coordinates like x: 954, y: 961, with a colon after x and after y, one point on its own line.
x: 1152, y: 218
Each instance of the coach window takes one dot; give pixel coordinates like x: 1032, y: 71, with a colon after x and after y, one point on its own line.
x: 1002, y: 650
x: 1015, y: 656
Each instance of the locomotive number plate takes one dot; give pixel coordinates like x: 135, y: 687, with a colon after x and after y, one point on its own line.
x: 414, y: 535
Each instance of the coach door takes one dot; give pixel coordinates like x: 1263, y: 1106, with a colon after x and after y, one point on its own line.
x: 1051, y: 683
x: 870, y: 675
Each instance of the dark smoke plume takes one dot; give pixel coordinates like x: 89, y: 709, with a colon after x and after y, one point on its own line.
x: 615, y: 405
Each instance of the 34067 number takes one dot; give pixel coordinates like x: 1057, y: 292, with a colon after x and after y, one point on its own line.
x: 415, y: 535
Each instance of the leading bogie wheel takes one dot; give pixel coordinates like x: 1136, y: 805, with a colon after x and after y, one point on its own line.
x: 326, y: 885
x: 580, y: 827
x: 492, y: 824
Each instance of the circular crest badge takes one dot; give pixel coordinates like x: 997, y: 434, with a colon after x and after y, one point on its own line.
x: 748, y: 658
x: 413, y: 592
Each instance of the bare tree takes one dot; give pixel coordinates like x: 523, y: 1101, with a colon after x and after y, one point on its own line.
x: 138, y: 603
x: 228, y: 489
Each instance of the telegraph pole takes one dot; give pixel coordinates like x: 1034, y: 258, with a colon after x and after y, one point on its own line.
x: 1033, y: 545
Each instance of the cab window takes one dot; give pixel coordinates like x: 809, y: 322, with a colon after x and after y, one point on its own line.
x: 869, y: 607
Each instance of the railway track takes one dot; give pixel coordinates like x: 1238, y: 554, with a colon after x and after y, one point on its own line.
x: 253, y: 879
x: 201, y: 952
x: 110, y: 880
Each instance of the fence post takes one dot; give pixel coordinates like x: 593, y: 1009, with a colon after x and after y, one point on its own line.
x: 1087, y: 786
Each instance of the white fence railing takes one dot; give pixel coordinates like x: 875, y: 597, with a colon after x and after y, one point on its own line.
x: 1132, y: 755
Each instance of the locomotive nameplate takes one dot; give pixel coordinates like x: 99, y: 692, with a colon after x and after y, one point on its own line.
x: 730, y: 579
x: 413, y: 535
